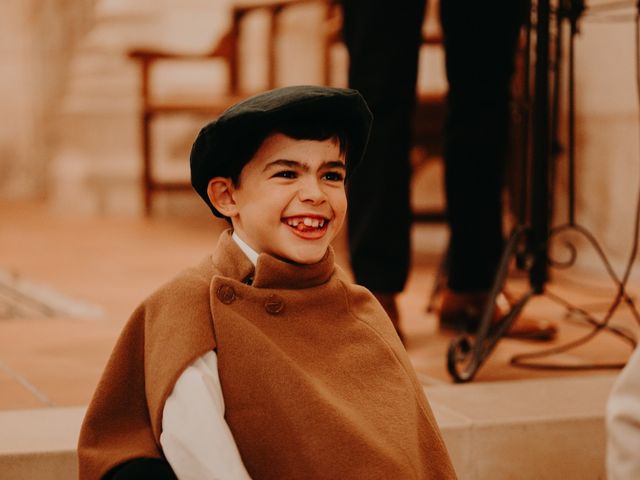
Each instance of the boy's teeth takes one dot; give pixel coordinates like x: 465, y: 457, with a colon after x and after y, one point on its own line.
x: 306, y: 222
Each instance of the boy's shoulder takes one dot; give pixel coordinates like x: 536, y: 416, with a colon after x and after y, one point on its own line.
x: 177, y: 319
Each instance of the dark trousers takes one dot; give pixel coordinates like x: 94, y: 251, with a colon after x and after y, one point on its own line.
x: 383, y: 40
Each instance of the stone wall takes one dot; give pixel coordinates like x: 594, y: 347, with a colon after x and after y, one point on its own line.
x: 608, y: 138
x: 36, y: 41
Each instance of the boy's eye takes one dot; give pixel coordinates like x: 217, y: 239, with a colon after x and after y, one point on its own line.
x: 285, y: 174
x: 333, y: 176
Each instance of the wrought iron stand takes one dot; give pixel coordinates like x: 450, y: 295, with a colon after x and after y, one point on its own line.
x: 529, y: 240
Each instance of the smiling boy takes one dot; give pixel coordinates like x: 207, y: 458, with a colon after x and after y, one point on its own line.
x: 290, y: 200
x: 264, y: 361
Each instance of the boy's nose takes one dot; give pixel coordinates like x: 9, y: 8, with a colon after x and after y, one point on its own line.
x: 311, y: 191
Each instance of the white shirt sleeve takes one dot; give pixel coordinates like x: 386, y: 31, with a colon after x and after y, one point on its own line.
x: 196, y: 438
x: 623, y: 423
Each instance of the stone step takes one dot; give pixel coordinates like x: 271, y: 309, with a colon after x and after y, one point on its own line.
x: 525, y: 429
x: 39, y: 443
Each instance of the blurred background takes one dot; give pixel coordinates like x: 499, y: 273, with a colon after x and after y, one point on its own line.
x: 102, y: 99
x: 72, y: 131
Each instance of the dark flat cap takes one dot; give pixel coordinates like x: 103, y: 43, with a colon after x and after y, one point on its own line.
x: 216, y: 148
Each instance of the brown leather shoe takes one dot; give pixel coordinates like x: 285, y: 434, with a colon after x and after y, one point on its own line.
x: 388, y: 302
x: 462, y: 312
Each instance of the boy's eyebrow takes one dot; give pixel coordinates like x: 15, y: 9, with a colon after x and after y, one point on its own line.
x: 295, y: 164
x: 335, y: 164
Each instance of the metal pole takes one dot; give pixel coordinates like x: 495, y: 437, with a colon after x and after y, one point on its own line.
x: 540, y: 204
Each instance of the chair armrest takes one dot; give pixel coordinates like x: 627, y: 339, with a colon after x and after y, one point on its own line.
x: 224, y: 48
x: 244, y: 7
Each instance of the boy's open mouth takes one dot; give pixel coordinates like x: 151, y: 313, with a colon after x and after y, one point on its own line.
x: 307, y: 224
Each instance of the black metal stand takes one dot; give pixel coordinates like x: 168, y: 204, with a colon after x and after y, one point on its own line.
x: 529, y: 240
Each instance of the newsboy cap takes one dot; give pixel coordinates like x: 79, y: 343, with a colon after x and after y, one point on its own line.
x: 214, y: 151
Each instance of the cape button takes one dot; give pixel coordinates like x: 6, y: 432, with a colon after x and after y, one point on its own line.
x: 274, y: 304
x: 226, y: 294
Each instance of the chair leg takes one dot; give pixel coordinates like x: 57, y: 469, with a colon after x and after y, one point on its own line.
x: 147, y: 178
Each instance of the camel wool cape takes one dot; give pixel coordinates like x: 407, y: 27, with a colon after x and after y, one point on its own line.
x: 316, y: 382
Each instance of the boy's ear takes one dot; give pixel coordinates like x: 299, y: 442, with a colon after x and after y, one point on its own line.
x: 220, y: 193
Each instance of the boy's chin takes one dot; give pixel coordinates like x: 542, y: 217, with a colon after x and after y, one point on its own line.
x: 305, y: 258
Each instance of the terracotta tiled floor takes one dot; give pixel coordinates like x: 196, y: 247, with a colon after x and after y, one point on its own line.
x: 116, y: 262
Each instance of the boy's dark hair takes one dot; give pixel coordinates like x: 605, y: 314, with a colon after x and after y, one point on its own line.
x: 302, y: 127
x: 303, y: 112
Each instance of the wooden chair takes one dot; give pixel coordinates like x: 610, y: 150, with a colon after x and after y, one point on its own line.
x: 226, y: 51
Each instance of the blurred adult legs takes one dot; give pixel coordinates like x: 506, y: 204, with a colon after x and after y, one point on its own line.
x: 480, y: 43
x: 383, y: 40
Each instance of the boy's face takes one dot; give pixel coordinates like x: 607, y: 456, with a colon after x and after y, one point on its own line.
x: 290, y: 199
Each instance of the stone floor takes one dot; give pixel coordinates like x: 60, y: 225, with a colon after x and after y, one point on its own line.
x: 112, y: 263
x: 109, y: 264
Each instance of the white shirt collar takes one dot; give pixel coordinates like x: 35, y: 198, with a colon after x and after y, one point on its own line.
x: 248, y: 251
